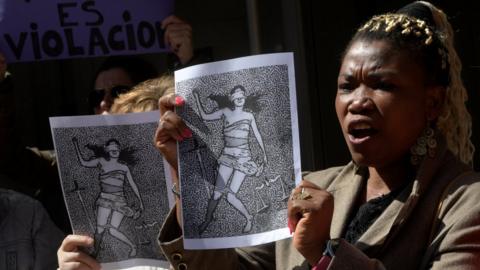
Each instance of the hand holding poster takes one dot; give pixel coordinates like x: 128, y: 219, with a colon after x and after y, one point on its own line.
x: 114, y: 185
x: 237, y: 170
x: 58, y: 29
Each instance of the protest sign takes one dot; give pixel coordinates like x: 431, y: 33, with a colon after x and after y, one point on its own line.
x: 238, y: 168
x: 115, y: 185
x: 33, y: 30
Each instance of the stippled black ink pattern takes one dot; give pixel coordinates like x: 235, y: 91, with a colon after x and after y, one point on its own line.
x: 237, y: 170
x: 114, y: 186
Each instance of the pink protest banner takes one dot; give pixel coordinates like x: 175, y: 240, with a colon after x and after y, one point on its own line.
x: 36, y: 30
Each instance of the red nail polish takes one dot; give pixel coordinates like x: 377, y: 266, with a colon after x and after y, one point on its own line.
x: 179, y: 100
x: 187, y: 133
x: 290, y: 226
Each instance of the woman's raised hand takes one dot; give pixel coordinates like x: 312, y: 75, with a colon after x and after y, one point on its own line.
x: 178, y: 36
x: 310, y: 211
x: 70, y: 257
x: 171, y: 128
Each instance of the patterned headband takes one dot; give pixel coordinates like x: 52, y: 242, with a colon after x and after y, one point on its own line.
x: 408, y: 26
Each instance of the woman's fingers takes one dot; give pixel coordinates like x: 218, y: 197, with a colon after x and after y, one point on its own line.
x: 75, y: 266
x: 310, y: 211
x: 299, y: 204
x: 70, y: 256
x: 177, y: 32
x: 79, y: 259
x: 181, y: 36
x: 306, y: 200
x: 167, y: 146
x: 170, y: 124
x: 173, y: 125
x: 169, y: 102
x: 72, y: 242
x: 178, y: 36
x: 172, y: 19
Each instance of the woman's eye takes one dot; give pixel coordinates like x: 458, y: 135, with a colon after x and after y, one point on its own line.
x: 385, y: 86
x: 345, y: 87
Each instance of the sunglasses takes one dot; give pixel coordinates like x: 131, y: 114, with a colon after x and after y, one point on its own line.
x: 96, y: 96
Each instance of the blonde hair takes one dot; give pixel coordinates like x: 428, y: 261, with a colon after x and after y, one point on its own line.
x: 443, y: 64
x: 455, y: 121
x: 144, y: 96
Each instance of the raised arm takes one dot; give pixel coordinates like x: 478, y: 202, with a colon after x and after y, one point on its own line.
x: 207, y: 116
x: 86, y: 163
x: 171, y: 129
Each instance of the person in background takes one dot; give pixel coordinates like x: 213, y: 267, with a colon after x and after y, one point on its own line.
x: 28, y: 238
x: 142, y: 98
x: 21, y: 168
x: 118, y: 74
x: 408, y: 199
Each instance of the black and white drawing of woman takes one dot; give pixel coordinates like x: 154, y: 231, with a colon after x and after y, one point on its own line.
x: 235, y: 161
x: 111, y: 204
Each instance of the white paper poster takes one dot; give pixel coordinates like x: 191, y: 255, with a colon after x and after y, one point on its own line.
x: 115, y: 186
x: 237, y: 170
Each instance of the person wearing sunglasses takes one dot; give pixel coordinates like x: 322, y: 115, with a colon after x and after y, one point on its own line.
x: 118, y: 74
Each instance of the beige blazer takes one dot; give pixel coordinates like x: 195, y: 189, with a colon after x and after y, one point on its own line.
x: 433, y: 224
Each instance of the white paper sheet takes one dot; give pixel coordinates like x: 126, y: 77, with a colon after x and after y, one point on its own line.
x: 230, y: 139
x: 98, y: 192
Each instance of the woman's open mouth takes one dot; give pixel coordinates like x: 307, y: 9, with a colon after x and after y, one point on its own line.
x: 360, y: 132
